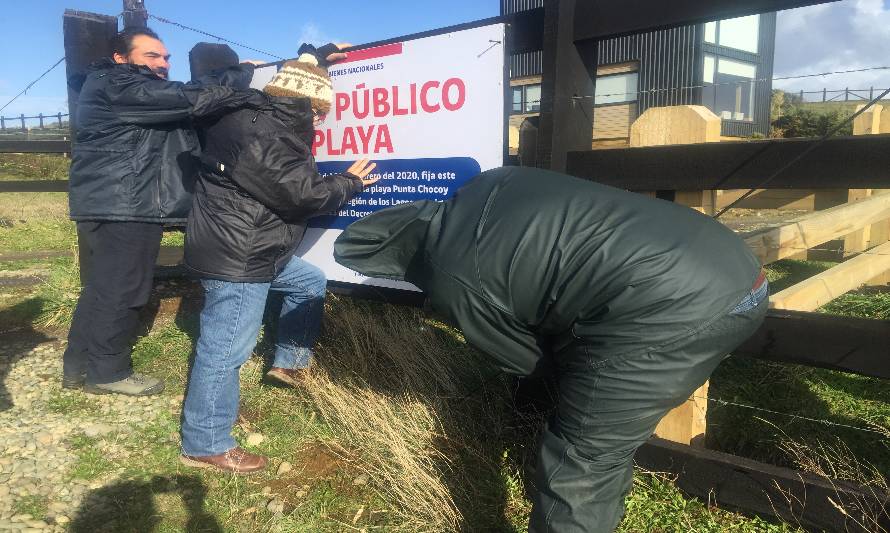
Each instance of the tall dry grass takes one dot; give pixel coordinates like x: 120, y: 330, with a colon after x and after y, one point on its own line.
x: 428, y: 416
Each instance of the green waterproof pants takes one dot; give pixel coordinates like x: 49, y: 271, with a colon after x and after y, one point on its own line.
x: 608, y: 407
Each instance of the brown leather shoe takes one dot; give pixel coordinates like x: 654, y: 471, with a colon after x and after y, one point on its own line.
x: 288, y: 377
x: 236, y: 461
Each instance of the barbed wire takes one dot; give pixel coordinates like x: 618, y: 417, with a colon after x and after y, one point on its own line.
x: 25, y: 90
x: 735, y: 83
x: 793, y: 416
x: 831, y: 133
x: 217, y: 37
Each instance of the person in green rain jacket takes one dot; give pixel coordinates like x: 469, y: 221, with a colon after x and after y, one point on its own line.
x: 633, y: 301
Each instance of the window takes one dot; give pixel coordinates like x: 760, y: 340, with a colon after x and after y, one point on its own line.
x: 526, y: 99
x: 741, y: 33
x: 617, y: 88
x: 730, y: 87
x: 711, y: 32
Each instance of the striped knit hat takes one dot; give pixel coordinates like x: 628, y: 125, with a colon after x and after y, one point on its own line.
x: 303, y: 78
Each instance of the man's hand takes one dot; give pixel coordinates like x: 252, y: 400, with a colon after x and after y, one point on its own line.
x: 361, y: 169
x: 337, y: 56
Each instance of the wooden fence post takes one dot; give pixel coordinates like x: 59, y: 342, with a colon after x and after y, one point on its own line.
x: 682, y: 125
x: 87, y: 39
x: 569, y: 71
x: 679, y: 125
x: 874, y: 121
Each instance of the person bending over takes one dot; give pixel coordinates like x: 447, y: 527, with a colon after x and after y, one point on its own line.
x: 634, y: 301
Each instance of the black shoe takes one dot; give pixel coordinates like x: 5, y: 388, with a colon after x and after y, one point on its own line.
x: 73, y: 382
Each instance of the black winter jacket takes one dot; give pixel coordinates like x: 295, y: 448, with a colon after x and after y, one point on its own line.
x: 526, y: 262
x: 136, y: 153
x: 257, y: 186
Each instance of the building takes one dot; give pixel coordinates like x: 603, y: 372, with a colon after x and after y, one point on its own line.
x: 724, y: 65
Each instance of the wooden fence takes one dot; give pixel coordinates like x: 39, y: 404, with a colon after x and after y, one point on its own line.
x: 22, y: 124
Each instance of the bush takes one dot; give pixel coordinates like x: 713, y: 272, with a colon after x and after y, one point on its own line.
x: 798, y: 122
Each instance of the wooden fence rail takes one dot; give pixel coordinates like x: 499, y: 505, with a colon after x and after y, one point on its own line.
x: 35, y: 147
x: 22, y: 118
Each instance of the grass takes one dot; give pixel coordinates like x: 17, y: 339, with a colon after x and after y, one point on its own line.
x: 35, y: 506
x: 91, y: 462
x: 404, y: 428
x: 33, y: 167
x: 436, y: 445
x: 837, y: 398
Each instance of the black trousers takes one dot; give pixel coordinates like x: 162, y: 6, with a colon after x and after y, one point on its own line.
x: 607, y: 408
x: 121, y: 259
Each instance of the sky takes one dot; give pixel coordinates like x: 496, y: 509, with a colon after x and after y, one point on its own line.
x: 849, y: 34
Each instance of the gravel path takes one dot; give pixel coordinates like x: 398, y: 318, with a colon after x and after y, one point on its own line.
x: 39, y: 431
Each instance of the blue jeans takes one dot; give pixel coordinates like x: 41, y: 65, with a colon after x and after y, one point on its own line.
x: 230, y: 322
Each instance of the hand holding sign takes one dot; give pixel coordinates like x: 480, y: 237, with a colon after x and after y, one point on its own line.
x: 361, y: 169
x: 333, y: 58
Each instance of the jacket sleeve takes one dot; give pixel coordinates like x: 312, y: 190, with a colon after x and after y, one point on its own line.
x: 145, y: 101
x: 236, y: 77
x: 281, y: 174
x: 515, y: 348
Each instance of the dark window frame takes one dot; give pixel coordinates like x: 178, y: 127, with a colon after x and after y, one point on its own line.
x: 623, y: 102
x: 524, y: 103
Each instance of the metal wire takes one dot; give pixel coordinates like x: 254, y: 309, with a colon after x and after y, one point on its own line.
x: 796, y: 417
x: 733, y: 83
x: 849, y: 120
x: 217, y: 37
x: 25, y: 90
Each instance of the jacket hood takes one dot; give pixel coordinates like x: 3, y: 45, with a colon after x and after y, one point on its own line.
x: 295, y: 113
x: 389, y: 243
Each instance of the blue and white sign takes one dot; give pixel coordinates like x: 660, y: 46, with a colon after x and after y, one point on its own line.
x: 429, y: 112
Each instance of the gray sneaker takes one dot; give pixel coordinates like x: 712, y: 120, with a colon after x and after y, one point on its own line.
x: 134, y: 385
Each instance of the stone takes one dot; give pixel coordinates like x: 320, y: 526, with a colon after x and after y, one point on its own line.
x: 255, y: 439
x: 275, y: 506
x: 361, y: 480
x: 284, y: 468
x: 62, y: 519
x: 97, y: 430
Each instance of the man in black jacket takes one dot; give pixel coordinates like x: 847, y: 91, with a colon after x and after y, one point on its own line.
x: 633, y: 300
x: 257, y: 186
x: 132, y: 171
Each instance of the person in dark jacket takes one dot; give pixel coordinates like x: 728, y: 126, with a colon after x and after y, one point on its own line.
x: 257, y: 187
x: 634, y: 301
x: 132, y: 170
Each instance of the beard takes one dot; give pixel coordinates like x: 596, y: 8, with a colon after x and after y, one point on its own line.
x: 161, y: 72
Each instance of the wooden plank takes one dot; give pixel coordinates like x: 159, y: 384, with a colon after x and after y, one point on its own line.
x: 687, y: 422
x: 35, y: 147
x: 853, y: 345
x: 857, y: 162
x: 811, y: 230
x: 566, y: 123
x: 87, y: 38
x: 742, y: 484
x: 34, y: 186
x: 614, y: 121
x: 822, y: 288
x: 603, y: 19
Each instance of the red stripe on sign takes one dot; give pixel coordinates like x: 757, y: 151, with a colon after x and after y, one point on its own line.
x: 393, y: 49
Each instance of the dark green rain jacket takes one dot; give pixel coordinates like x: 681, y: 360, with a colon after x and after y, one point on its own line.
x: 527, y: 262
